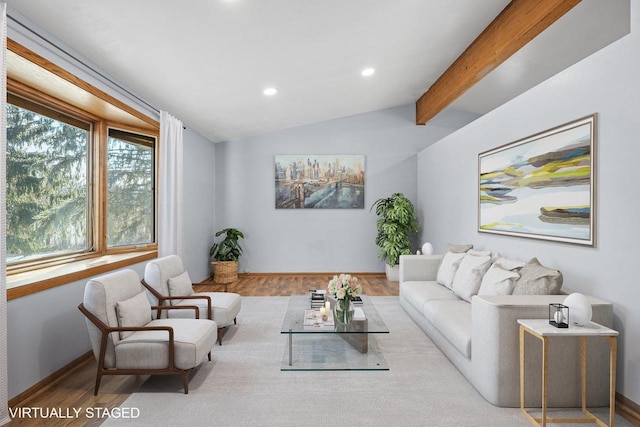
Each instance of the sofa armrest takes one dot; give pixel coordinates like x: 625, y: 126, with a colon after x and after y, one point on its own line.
x: 419, y: 267
x: 495, y: 351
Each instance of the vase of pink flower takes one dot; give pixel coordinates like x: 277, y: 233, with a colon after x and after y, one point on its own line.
x: 343, y: 288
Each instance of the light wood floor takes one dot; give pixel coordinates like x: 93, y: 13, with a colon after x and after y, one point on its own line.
x: 74, y: 390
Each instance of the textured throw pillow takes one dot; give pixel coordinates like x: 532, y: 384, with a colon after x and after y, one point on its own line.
x: 536, y: 279
x: 509, y: 264
x: 459, y: 249
x: 448, y: 268
x: 469, y: 275
x: 135, y: 311
x: 498, y: 281
x: 180, y: 286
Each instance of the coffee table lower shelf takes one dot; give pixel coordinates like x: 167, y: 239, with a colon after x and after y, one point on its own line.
x: 330, y: 352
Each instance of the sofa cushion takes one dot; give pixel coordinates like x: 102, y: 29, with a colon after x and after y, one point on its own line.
x: 448, y: 267
x: 536, y: 279
x: 417, y: 293
x: 498, y: 281
x: 469, y: 275
x: 453, y: 320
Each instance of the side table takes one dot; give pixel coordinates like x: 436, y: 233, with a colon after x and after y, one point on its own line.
x: 541, y: 329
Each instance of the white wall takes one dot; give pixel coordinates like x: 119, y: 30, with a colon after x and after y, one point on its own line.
x: 199, y: 202
x: 319, y: 240
x: 607, y: 83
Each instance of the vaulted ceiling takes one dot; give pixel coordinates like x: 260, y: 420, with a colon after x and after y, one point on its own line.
x: 208, y: 61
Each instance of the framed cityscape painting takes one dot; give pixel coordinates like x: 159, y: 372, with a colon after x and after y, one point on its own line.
x: 542, y: 186
x: 319, y: 181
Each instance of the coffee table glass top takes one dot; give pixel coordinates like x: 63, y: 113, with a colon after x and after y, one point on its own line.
x: 328, y: 346
x: 294, y: 319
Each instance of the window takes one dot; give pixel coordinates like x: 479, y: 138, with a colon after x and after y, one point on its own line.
x: 81, y: 178
x: 130, y: 189
x: 47, y: 185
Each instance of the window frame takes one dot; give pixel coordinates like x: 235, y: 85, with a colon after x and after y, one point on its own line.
x: 24, y: 278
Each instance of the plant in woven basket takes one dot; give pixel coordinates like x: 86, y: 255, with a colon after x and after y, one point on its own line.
x: 226, y: 254
x: 228, y: 249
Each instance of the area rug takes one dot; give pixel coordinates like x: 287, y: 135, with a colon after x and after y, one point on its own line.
x: 243, y: 385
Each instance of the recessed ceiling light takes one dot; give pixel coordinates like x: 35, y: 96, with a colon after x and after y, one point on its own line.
x: 270, y: 91
x: 368, y: 72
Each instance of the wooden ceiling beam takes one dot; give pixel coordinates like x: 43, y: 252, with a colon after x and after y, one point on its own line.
x: 514, y: 27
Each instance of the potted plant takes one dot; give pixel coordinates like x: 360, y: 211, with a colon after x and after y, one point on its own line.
x: 226, y: 254
x: 397, y: 223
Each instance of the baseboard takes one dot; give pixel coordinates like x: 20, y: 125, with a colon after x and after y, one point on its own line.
x: 51, y: 379
x: 628, y: 409
x: 311, y: 274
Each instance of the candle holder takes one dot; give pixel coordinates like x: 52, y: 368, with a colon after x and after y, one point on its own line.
x: 559, y: 315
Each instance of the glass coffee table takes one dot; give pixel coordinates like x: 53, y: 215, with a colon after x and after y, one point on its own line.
x: 315, y: 345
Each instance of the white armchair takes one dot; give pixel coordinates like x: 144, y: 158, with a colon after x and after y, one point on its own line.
x: 168, y: 285
x: 126, y: 341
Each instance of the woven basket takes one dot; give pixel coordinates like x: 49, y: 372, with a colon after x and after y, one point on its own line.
x: 225, y: 271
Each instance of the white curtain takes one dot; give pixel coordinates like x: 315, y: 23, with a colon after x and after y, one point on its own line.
x: 4, y: 383
x: 170, y: 187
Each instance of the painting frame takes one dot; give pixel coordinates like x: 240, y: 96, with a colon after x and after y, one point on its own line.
x: 542, y: 186
x: 319, y: 181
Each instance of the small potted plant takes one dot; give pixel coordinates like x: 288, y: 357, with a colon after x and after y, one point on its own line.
x: 225, y: 255
x: 397, y: 223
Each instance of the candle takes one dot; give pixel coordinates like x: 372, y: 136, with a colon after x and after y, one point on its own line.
x: 327, y: 306
x: 323, y: 311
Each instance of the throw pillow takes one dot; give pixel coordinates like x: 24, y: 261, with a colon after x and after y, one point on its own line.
x: 448, y: 268
x: 459, y: 249
x: 469, y: 275
x: 479, y: 253
x: 180, y: 285
x: 536, y: 279
x: 135, y: 311
x: 509, y: 264
x: 498, y: 281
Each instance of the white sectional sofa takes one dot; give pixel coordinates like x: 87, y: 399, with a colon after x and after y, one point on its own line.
x: 481, y: 339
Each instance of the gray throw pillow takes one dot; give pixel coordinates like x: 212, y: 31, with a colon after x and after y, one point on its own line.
x: 536, y: 279
x: 135, y: 311
x: 180, y: 286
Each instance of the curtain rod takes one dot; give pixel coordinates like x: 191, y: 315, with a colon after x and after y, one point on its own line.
x: 108, y: 79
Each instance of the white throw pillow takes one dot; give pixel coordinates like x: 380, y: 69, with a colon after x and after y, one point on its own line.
x: 498, y: 281
x: 478, y: 253
x: 448, y: 268
x: 135, y: 311
x: 469, y: 275
x: 180, y: 286
x: 509, y: 264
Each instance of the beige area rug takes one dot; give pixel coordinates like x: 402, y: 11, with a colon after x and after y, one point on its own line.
x: 243, y: 385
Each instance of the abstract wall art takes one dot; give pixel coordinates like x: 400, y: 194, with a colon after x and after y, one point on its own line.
x: 542, y: 186
x: 319, y: 181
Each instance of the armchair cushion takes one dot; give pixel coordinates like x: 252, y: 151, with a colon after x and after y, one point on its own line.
x: 193, y: 339
x: 135, y: 311
x: 180, y: 285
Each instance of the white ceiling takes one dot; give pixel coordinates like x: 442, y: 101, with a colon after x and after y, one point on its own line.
x: 208, y: 61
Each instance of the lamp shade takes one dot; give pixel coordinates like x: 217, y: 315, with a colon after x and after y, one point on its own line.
x: 427, y: 249
x: 580, y: 311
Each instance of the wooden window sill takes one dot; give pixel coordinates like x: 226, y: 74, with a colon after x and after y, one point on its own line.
x: 22, y: 284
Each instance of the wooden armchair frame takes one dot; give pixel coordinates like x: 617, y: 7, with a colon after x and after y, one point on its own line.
x: 162, y: 298
x: 106, y: 330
